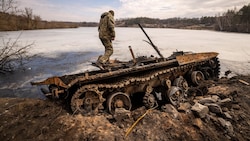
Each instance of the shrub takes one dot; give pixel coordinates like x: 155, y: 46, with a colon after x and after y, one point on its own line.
x: 13, y: 55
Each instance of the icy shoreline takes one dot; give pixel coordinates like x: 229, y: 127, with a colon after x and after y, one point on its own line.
x: 70, y: 51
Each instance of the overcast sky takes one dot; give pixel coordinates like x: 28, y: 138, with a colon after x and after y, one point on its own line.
x: 90, y: 10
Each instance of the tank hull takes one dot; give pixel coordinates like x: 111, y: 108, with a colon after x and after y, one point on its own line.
x: 149, y: 81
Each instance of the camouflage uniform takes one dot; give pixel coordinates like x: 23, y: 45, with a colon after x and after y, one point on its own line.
x: 106, y: 35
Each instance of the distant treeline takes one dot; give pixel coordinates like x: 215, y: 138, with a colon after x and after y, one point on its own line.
x: 232, y: 21
x: 10, y: 22
x: 184, y: 23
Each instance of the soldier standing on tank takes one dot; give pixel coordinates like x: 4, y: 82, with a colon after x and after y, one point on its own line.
x: 106, y: 34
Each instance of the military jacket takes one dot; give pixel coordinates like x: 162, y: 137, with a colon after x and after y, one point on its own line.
x: 107, y: 26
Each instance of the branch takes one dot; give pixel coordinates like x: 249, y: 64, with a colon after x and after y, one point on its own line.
x: 13, y: 55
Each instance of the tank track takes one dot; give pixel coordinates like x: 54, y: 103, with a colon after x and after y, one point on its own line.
x: 90, y: 98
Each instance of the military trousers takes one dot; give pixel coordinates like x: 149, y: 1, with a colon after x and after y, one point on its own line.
x: 108, y: 50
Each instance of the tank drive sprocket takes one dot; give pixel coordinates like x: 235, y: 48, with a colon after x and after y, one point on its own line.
x: 87, y: 100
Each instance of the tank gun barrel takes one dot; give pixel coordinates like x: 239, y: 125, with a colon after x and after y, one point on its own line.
x: 151, y: 43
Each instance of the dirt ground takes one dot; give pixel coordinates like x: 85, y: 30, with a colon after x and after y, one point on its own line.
x: 228, y: 118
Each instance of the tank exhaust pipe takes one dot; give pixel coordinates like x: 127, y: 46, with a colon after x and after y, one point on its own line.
x: 132, y: 53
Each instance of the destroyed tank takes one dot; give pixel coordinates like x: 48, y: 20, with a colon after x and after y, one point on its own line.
x: 143, y: 81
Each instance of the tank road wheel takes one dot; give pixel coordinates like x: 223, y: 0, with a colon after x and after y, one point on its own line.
x: 118, y: 100
x: 181, y: 82
x: 87, y: 101
x: 175, y: 95
x: 208, y: 73
x: 197, y: 77
x: 149, y: 100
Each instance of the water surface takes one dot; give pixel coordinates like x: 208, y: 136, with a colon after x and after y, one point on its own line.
x: 68, y: 51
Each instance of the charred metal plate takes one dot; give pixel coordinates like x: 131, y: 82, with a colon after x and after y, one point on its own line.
x: 195, y: 57
x: 53, y: 80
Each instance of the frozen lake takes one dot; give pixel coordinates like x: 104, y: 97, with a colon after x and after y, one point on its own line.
x: 67, y: 51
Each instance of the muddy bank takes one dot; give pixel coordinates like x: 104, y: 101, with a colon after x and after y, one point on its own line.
x: 221, y: 114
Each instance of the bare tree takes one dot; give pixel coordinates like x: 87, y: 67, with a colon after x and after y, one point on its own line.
x: 219, y: 22
x: 8, y: 6
x: 28, y: 14
x: 36, y: 20
x: 13, y: 55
